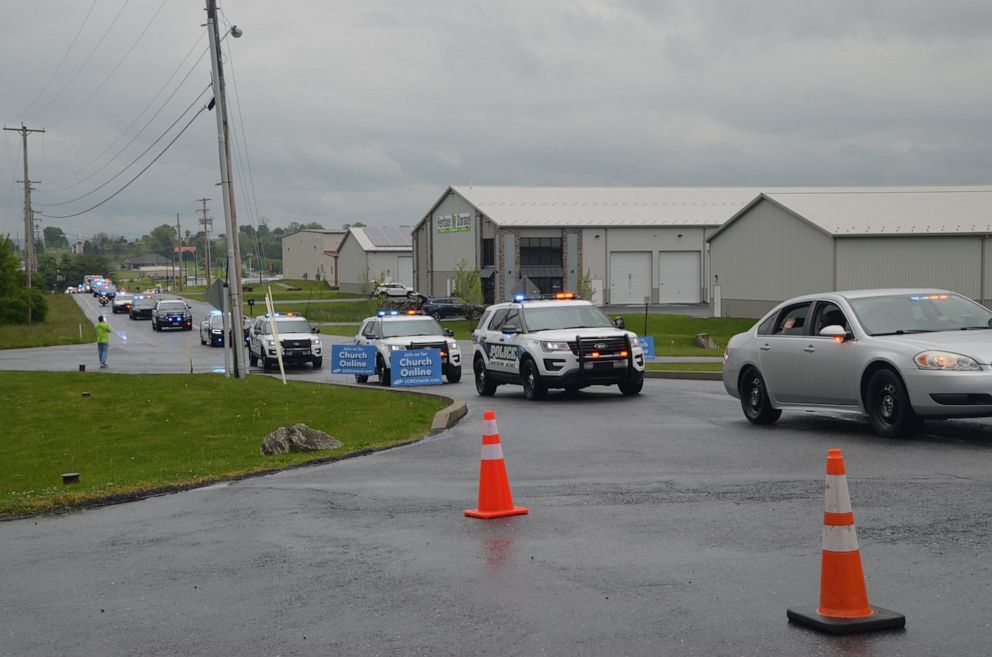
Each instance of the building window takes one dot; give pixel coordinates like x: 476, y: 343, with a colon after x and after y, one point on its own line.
x: 488, y: 252
x: 540, y: 251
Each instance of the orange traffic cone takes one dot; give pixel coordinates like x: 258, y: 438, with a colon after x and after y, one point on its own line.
x: 844, y: 604
x: 495, y: 499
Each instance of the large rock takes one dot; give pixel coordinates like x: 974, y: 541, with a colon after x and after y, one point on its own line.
x: 297, y: 438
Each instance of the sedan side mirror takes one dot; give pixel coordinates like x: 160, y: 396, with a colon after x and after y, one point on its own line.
x: 619, y: 323
x: 834, y: 331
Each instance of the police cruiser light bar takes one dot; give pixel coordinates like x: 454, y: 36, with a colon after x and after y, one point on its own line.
x: 557, y: 296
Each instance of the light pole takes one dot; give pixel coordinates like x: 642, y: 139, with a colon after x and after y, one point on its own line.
x: 224, y: 153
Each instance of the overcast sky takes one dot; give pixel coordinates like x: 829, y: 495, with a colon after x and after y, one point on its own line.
x: 366, y: 110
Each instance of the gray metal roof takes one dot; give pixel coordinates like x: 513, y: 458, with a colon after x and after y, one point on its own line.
x: 609, y: 206
x: 892, y: 210
x: 383, y: 238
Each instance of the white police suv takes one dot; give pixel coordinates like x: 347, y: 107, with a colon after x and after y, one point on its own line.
x: 554, y: 341
x: 297, y: 338
x: 393, y: 331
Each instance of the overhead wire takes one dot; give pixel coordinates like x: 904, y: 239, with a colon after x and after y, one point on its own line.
x: 247, y: 176
x: 132, y: 162
x: 144, y: 127
x: 138, y: 175
x: 86, y: 60
x: 61, y: 61
x: 114, y: 70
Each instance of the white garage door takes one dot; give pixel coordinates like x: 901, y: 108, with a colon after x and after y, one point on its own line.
x: 630, y: 276
x: 405, y: 274
x: 679, y: 271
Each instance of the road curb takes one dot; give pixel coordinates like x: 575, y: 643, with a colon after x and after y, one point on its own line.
x: 449, y: 417
x: 680, y: 374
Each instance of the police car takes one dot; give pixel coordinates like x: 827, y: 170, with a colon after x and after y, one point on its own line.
x: 554, y: 341
x: 393, y: 331
x: 297, y: 337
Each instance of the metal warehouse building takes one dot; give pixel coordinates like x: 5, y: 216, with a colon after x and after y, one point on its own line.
x: 369, y: 253
x: 789, y: 242
x: 635, y: 243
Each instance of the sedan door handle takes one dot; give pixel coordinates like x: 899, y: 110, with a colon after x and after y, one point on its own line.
x: 765, y: 347
x: 810, y: 349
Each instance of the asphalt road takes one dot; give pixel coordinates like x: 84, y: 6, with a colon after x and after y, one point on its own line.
x: 659, y: 525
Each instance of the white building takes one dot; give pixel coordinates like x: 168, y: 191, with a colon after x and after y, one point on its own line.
x: 370, y: 253
x: 311, y: 254
x: 800, y: 241
x: 635, y: 243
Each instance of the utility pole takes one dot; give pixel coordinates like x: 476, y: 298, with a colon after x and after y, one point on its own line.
x: 30, y: 260
x: 182, y: 255
x: 206, y: 222
x: 230, y: 216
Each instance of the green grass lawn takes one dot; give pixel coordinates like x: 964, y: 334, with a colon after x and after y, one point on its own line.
x: 62, y: 326
x: 308, y: 290
x: 674, y: 334
x: 685, y: 367
x: 137, y: 433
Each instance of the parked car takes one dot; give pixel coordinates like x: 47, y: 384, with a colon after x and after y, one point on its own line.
x: 445, y: 307
x: 393, y: 290
x: 899, y: 355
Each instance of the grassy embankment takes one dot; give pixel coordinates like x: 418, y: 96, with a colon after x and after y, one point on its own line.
x: 138, y: 433
x: 63, y: 325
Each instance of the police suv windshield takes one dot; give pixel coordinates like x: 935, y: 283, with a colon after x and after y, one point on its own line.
x: 546, y: 318
x: 289, y: 325
x: 408, y: 327
x: 171, y: 306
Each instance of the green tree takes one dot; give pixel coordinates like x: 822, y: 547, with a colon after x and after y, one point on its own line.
x: 161, y: 240
x: 55, y: 238
x: 468, y: 285
x: 14, y: 297
x: 583, y: 286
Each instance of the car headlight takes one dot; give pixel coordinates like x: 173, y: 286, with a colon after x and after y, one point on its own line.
x: 269, y: 342
x: 452, y: 345
x: 555, y: 346
x: 396, y: 347
x: 945, y: 360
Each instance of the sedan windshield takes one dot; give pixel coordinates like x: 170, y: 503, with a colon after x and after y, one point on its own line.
x: 408, y: 327
x: 919, y: 313
x: 565, y: 317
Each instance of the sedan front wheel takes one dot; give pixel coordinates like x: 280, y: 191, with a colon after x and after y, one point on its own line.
x: 754, y: 399
x: 889, y: 410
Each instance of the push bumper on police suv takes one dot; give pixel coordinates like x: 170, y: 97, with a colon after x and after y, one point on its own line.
x: 591, y: 361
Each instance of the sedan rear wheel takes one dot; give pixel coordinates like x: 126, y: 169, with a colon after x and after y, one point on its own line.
x: 754, y: 399
x: 889, y: 411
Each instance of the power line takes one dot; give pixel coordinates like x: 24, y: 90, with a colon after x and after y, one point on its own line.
x: 114, y: 70
x: 138, y: 175
x: 138, y: 118
x: 61, y: 61
x: 86, y: 60
x: 132, y: 162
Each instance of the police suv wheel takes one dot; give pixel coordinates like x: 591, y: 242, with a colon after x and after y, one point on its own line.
x: 483, y: 385
x: 453, y: 374
x: 361, y: 378
x: 382, y: 372
x: 534, y: 389
x: 633, y: 385
x: 318, y: 362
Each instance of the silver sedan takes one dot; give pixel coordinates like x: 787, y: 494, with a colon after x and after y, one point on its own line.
x: 898, y: 355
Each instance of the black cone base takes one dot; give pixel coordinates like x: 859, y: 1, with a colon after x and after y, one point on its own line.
x: 881, y: 619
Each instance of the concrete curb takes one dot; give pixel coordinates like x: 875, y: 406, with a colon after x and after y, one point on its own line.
x: 679, y: 374
x: 449, y: 417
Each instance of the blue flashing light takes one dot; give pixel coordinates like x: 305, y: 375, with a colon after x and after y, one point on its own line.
x: 520, y: 297
x: 215, y: 312
x: 381, y: 313
x: 393, y: 312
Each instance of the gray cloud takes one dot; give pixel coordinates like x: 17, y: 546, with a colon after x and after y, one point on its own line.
x: 367, y: 111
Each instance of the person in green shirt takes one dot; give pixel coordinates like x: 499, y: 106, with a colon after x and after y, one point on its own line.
x: 103, y: 331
